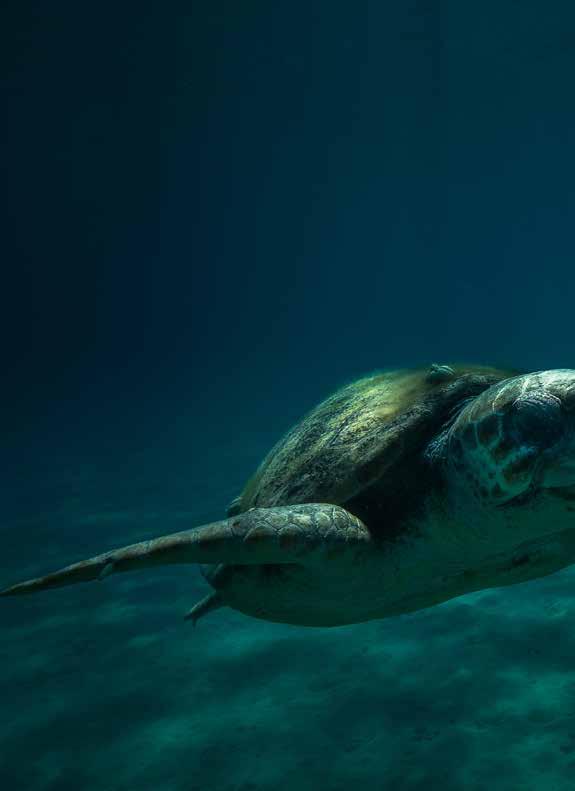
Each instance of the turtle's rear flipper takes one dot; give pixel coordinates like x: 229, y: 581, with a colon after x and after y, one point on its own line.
x: 306, y: 534
x: 212, y: 601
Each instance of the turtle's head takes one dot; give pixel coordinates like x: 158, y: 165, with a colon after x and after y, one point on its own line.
x: 514, y: 446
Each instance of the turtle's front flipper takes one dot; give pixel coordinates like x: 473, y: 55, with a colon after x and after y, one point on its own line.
x: 305, y: 534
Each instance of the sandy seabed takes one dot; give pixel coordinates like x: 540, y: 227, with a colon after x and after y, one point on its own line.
x: 105, y: 688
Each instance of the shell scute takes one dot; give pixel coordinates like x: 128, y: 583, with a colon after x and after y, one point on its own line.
x: 362, y: 434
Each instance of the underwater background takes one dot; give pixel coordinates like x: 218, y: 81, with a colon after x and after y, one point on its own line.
x: 217, y: 213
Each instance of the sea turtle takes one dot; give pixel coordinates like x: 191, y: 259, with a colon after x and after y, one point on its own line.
x: 400, y: 491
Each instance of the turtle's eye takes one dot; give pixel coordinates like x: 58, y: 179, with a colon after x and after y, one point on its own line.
x: 536, y: 419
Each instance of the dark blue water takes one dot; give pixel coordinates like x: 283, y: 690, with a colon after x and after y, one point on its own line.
x: 216, y: 214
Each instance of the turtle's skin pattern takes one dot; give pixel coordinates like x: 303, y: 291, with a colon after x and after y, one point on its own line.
x: 499, y: 466
x: 400, y: 491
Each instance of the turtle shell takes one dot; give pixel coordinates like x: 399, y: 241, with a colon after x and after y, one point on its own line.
x: 369, y: 434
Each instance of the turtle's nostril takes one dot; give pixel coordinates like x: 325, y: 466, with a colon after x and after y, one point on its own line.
x: 537, y: 419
